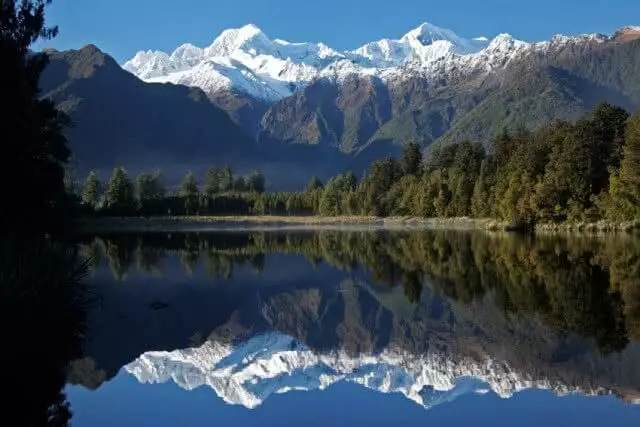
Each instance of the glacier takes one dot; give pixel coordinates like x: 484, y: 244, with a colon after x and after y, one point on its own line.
x: 245, y: 60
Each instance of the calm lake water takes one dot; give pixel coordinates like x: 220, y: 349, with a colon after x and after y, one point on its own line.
x: 346, y: 328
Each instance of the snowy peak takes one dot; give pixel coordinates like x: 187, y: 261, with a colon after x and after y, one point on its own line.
x: 425, y: 44
x: 187, y: 54
x: 249, y: 38
x: 427, y: 34
x: 248, y: 373
x: 246, y: 60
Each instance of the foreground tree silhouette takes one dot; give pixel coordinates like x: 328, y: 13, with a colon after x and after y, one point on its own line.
x: 34, y: 147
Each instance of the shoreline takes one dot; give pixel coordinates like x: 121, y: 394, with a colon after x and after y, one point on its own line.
x: 362, y: 223
x: 274, y: 223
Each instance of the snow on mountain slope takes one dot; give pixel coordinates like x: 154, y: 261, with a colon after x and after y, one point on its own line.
x: 246, y: 60
x: 423, y: 44
x: 248, y: 373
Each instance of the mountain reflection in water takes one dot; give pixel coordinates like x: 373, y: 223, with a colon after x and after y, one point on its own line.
x: 427, y: 315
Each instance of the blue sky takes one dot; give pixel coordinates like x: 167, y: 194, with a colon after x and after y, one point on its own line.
x: 122, y: 27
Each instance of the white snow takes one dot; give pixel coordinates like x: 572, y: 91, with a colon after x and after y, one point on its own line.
x: 248, y: 373
x: 246, y: 60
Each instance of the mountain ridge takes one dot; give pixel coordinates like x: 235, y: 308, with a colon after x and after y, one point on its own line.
x: 274, y: 69
x: 325, y: 111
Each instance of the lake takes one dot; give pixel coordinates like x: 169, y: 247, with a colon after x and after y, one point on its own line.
x: 325, y: 328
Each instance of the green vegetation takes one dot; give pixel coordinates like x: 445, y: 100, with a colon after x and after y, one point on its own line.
x: 583, y: 286
x: 585, y: 171
x: 41, y: 294
x: 34, y: 146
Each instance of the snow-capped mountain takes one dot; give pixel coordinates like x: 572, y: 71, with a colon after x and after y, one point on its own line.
x: 246, y: 60
x: 248, y: 373
x: 243, y: 59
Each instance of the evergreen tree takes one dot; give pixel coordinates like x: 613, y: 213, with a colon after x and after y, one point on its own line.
x: 149, y: 187
x: 91, y: 191
x: 119, y: 195
x: 33, y: 143
x: 314, y: 184
x: 625, y: 188
x: 189, y: 193
x: 330, y: 199
x: 211, y: 183
x: 226, y: 179
x: 412, y: 157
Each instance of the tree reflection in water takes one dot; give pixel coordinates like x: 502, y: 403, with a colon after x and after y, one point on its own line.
x: 43, y: 309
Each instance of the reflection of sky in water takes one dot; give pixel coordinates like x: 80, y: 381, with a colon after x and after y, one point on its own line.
x: 125, y: 402
x: 168, y: 312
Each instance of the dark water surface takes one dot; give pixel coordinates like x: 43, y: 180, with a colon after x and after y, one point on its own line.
x: 347, y: 328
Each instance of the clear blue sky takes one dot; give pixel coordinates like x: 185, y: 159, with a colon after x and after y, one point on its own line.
x: 122, y: 27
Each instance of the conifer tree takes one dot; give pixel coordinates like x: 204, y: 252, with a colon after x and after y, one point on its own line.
x: 412, y: 157
x: 189, y: 193
x: 119, y: 195
x: 91, y: 191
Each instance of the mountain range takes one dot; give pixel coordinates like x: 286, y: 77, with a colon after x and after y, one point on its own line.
x: 249, y: 372
x: 313, y: 327
x: 349, y: 106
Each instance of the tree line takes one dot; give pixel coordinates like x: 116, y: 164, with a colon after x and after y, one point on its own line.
x: 148, y: 195
x: 587, y: 171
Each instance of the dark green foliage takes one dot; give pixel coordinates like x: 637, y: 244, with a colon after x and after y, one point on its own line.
x: 33, y: 143
x: 149, y: 190
x: 189, y: 193
x: 119, y: 196
x: 412, y: 157
x: 587, y: 287
x: 582, y: 171
x: 226, y: 179
x: 211, y: 182
x: 314, y: 184
x: 623, y: 202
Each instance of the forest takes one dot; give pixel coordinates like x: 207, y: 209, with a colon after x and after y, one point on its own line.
x: 585, y: 171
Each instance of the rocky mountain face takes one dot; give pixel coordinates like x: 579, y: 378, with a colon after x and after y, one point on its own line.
x: 297, y: 109
x: 428, y: 85
x: 562, y: 81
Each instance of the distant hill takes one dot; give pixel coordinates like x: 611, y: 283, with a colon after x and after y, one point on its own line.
x: 118, y: 119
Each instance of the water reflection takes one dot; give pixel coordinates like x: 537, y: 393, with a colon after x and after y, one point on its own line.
x: 428, y: 315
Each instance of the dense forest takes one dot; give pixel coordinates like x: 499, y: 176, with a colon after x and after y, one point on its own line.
x: 585, y: 171
x: 586, y: 286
